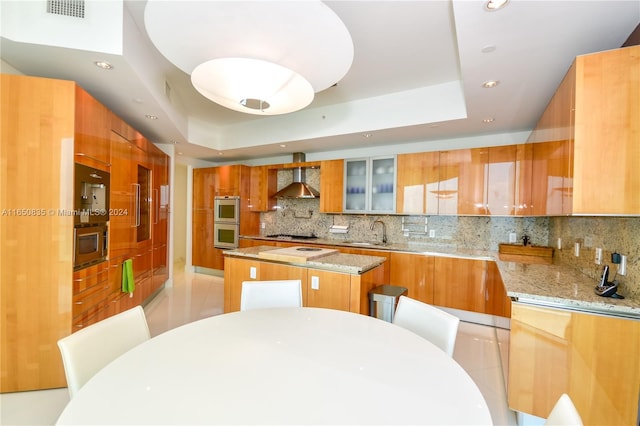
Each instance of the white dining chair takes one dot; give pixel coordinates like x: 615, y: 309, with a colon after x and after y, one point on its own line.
x: 564, y: 413
x: 271, y: 294
x: 434, y: 324
x: 86, y: 351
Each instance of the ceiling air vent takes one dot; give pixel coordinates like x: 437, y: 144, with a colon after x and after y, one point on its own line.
x: 73, y: 8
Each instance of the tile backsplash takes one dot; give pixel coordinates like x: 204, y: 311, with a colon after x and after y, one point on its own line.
x: 612, y: 234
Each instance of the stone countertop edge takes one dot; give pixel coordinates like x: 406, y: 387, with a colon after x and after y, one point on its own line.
x: 551, y: 285
x: 339, y: 262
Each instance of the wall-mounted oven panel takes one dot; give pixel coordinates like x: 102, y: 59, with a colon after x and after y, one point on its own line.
x: 225, y: 235
x: 227, y: 210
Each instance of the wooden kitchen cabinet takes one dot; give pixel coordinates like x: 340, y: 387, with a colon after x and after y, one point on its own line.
x: 461, y: 189
x: 591, y: 357
x: 91, y: 290
x: 415, y: 272
x: 460, y: 283
x: 44, y: 301
x: 331, y: 186
x: 326, y: 289
x: 264, y: 182
x: 591, y: 130
x: 334, y: 290
x: 417, y: 182
x: 501, y: 180
x: 93, y: 132
x: 523, y: 180
x: 207, y: 184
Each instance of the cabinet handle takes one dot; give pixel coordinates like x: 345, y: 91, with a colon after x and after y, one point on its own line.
x: 156, y: 202
x: 136, y: 204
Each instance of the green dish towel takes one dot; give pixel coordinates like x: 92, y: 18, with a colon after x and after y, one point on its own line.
x: 128, y: 285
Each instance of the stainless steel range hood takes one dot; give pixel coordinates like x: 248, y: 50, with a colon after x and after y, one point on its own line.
x: 298, y: 188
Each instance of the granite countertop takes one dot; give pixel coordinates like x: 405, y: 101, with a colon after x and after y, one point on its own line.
x: 562, y: 286
x: 526, y: 278
x: 339, y: 262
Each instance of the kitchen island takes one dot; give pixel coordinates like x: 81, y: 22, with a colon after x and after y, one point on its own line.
x: 329, y: 280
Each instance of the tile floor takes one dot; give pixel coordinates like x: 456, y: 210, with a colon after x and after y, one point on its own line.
x: 195, y: 296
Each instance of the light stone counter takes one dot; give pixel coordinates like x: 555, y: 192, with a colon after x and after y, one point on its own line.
x: 339, y: 262
x: 546, y: 284
x: 559, y: 285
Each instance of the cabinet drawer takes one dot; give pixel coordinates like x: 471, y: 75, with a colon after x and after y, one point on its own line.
x: 89, y: 277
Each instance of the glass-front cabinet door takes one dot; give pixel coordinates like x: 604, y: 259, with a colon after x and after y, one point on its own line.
x: 370, y: 185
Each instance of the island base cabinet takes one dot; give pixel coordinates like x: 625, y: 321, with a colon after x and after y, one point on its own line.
x: 320, y: 288
x: 593, y: 358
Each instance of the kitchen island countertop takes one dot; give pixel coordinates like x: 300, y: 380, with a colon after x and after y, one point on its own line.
x: 526, y: 278
x: 338, y: 262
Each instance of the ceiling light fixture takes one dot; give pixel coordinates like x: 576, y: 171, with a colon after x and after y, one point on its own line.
x: 493, y: 5
x: 488, y: 120
x: 151, y: 116
x: 264, y: 58
x: 104, y: 65
x: 489, y: 84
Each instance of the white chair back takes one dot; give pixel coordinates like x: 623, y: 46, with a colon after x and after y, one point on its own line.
x: 87, y: 351
x: 435, y: 325
x: 271, y: 294
x: 564, y: 413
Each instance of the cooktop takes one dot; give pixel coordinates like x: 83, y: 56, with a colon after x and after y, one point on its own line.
x: 293, y: 237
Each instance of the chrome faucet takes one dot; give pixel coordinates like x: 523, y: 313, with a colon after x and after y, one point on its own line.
x: 384, y: 230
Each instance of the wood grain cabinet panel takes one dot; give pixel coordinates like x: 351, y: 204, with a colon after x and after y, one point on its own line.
x: 36, y: 272
x: 93, y: 131
x: 264, y: 181
x: 331, y: 186
x: 596, y: 103
x: 592, y: 358
x: 415, y: 272
x: 460, y: 283
x: 418, y: 175
x: 326, y: 289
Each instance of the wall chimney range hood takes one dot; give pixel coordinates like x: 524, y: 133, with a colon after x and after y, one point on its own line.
x: 298, y: 188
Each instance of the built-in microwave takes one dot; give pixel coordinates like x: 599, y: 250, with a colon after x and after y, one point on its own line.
x: 225, y: 235
x: 91, y: 195
x: 89, y: 245
x: 226, y: 209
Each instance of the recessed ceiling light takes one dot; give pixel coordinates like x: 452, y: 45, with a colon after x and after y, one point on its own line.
x: 283, y: 146
x: 179, y: 153
x: 173, y: 141
x: 488, y: 49
x: 151, y: 116
x: 220, y: 153
x: 489, y: 120
x: 493, y: 5
x: 104, y: 65
x: 367, y: 135
x: 489, y: 84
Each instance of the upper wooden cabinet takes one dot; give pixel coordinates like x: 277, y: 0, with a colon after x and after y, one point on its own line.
x: 501, y: 181
x: 93, y: 132
x: 523, y: 180
x: 331, y: 186
x: 461, y: 189
x: 264, y: 182
x: 418, y: 176
x: 592, y: 130
x: 607, y: 133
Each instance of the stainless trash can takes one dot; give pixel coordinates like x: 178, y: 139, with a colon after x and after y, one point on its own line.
x: 383, y: 301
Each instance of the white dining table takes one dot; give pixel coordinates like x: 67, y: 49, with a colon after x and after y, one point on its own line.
x: 281, y: 366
